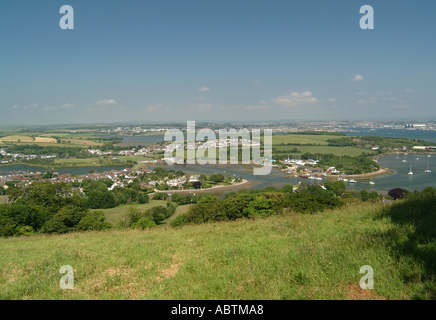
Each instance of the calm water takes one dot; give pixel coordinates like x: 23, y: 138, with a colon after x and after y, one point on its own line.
x: 409, y: 134
x: 384, y: 183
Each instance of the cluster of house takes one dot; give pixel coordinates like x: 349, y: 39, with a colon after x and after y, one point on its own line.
x: 133, y: 130
x: 12, y: 157
x: 152, y: 149
x: 177, y: 182
x: 119, y: 177
x: 302, y: 165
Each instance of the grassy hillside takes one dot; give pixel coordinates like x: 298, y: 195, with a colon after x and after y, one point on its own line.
x: 293, y: 256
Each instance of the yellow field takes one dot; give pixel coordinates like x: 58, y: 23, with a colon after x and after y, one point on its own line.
x: 16, y: 138
x: 83, y: 142
x: 41, y: 139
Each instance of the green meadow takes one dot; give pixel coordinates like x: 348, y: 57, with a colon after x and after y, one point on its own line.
x: 337, y: 151
x: 289, y: 256
x: 302, y: 139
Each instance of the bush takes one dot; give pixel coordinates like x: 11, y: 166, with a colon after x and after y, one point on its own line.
x: 160, y: 196
x: 66, y: 220
x: 144, y: 223
x: 179, y: 221
x: 94, y: 221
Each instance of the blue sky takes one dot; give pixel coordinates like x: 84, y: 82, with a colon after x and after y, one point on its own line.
x: 215, y: 60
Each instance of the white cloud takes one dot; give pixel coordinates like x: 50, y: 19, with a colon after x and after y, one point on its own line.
x: 67, y: 106
x: 49, y: 108
x: 361, y: 92
x: 204, y: 89
x: 295, y: 98
x: 332, y: 100
x: 152, y: 108
x: 256, y: 82
x: 35, y: 105
x: 201, y: 106
x: 105, y: 102
x: 263, y: 102
x: 16, y: 106
x: 409, y: 90
x: 385, y: 92
x: 357, y: 77
x: 260, y: 107
x: 362, y: 101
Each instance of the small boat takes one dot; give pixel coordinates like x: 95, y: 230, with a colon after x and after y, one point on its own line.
x: 371, y: 182
x: 417, y: 158
x: 346, y: 180
x: 352, y: 180
x: 410, y: 173
x: 318, y: 178
x: 429, y: 156
x: 427, y: 171
x: 404, y: 160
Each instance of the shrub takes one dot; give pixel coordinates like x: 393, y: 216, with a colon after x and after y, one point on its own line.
x: 160, y: 196
x: 144, y: 223
x: 95, y: 221
x: 66, y: 220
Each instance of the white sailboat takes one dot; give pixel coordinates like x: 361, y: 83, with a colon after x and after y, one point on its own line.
x: 372, y: 181
x: 410, y: 173
x: 427, y: 171
x: 353, y: 181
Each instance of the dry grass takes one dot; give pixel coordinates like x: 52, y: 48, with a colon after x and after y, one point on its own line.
x: 42, y: 139
x: 16, y: 138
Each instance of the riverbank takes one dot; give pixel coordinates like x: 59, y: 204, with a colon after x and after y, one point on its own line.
x: 380, y: 172
x: 244, y: 182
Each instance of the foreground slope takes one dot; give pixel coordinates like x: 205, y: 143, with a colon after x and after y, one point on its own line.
x: 293, y: 256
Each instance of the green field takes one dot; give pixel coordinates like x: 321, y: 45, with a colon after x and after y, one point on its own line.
x: 303, y: 139
x: 338, y: 151
x: 113, y: 215
x: 4, y: 199
x: 291, y: 256
x: 95, y: 161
